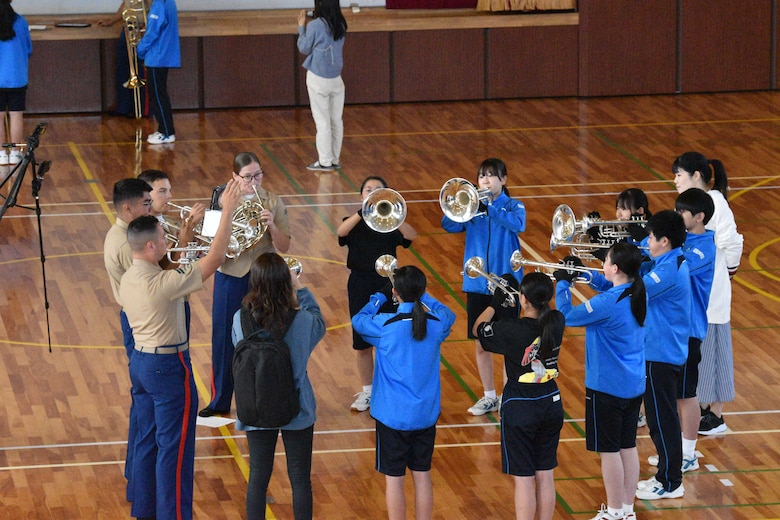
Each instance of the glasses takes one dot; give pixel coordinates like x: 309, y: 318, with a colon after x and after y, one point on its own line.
x: 255, y: 177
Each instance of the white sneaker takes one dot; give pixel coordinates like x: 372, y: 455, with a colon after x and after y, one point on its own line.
x: 158, y: 138
x: 647, y: 484
x: 629, y: 516
x: 642, y: 421
x: 659, y: 492
x: 4, y: 159
x: 603, y: 514
x: 15, y: 157
x: 691, y: 464
x: 485, y: 405
x: 363, y: 401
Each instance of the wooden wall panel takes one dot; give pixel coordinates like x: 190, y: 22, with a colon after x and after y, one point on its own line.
x: 367, y: 67
x: 438, y: 65
x: 55, y: 88
x: 184, y: 84
x: 249, y: 71
x: 726, y: 45
x: 627, y: 47
x: 532, y: 62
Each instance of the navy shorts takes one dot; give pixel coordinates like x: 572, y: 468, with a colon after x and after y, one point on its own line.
x: 13, y: 99
x: 475, y: 304
x: 397, y: 450
x: 688, y: 378
x: 530, y: 432
x: 610, y: 422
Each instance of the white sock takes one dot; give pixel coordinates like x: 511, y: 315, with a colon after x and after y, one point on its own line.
x: 689, y: 448
x: 615, y: 513
x: 367, y: 389
x: 628, y: 509
x: 490, y: 393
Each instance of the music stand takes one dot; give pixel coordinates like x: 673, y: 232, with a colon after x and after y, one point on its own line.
x: 39, y: 170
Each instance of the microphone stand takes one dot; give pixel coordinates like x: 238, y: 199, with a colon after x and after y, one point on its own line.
x: 39, y: 170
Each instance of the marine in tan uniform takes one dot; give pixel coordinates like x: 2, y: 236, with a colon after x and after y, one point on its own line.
x: 164, y: 393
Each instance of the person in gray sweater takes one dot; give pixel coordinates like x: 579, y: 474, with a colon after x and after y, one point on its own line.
x: 322, y: 41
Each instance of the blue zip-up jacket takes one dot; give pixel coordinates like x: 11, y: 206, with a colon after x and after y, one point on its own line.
x: 699, y: 251
x: 324, y: 54
x: 159, y: 46
x: 492, y: 237
x: 614, y: 340
x: 306, y: 330
x: 14, y: 54
x: 668, y: 322
x: 406, y: 392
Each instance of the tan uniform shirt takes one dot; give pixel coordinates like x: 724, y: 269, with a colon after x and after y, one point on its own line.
x: 117, y: 255
x: 240, y: 266
x: 153, y: 300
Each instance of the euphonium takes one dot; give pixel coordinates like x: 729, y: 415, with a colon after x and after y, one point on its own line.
x: 134, y: 18
x: 459, y: 199
x: 475, y: 266
x: 384, y: 210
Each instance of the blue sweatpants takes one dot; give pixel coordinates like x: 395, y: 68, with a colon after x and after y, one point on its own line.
x: 166, y: 404
x: 228, y: 293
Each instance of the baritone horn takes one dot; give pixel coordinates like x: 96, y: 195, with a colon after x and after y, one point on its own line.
x: 475, y: 267
x: 134, y: 18
x: 384, y: 210
x: 459, y: 199
x: 517, y: 262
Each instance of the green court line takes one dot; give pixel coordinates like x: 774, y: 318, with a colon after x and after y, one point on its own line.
x: 622, y: 151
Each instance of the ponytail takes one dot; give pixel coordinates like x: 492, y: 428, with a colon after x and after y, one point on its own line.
x: 419, y: 321
x: 628, y: 259
x: 410, y: 285
x: 721, y: 180
x: 538, y: 290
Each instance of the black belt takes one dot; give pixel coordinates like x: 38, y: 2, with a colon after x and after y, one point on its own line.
x: 163, y: 350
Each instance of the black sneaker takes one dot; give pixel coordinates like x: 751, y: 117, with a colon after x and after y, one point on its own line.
x: 711, y: 424
x: 210, y: 412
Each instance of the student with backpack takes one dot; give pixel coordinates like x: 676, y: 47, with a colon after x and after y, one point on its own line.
x: 275, y: 296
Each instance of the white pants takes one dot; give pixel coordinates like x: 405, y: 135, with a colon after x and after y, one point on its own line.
x: 326, y: 96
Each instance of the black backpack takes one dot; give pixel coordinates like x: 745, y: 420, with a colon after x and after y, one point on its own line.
x: 263, y: 380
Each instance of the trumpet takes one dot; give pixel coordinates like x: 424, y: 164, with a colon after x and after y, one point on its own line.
x: 384, y: 210
x: 517, y: 262
x: 475, y: 267
x: 294, y: 265
x: 184, y: 211
x: 565, y: 225
x: 195, y: 250
x: 579, y: 248
x: 385, y: 266
x: 459, y: 199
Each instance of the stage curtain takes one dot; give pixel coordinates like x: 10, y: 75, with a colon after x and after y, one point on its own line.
x: 430, y: 4
x: 525, y: 5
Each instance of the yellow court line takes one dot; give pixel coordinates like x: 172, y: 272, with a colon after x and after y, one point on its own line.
x: 752, y: 187
x: 91, y: 181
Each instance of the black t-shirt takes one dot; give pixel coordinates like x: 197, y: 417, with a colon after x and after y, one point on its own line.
x: 517, y: 339
x: 366, y: 245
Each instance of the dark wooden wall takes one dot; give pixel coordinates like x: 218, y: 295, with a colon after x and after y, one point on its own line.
x: 619, y: 47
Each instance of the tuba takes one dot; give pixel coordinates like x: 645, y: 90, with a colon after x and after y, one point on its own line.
x: 384, y: 210
x: 459, y: 199
x: 134, y: 18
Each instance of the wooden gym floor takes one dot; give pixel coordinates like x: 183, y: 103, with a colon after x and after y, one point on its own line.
x: 63, y: 415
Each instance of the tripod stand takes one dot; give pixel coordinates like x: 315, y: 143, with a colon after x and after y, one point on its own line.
x: 39, y: 170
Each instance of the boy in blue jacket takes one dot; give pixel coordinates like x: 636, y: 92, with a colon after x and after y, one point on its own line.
x: 696, y: 208
x: 668, y: 327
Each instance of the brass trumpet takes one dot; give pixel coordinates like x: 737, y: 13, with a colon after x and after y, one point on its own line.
x: 384, y: 210
x: 459, y: 199
x: 517, y: 262
x: 294, y: 265
x: 475, y: 267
